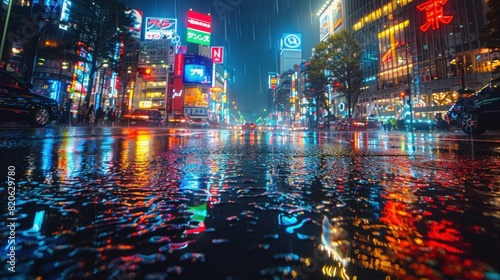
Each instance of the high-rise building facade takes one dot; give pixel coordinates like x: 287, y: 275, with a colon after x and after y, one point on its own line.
x: 425, y: 49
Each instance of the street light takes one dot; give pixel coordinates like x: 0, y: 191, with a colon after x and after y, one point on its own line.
x: 64, y: 65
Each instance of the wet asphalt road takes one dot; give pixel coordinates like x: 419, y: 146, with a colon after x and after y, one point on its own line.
x: 138, y: 203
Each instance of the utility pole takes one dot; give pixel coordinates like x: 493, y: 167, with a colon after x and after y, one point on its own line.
x: 7, y: 18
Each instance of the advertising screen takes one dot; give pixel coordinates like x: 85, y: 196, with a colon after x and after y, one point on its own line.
x: 199, y: 27
x: 195, y: 74
x: 197, y: 70
x: 160, y: 28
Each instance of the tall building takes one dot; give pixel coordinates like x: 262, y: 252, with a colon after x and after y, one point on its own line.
x: 151, y: 92
x: 425, y: 50
x: 290, y: 51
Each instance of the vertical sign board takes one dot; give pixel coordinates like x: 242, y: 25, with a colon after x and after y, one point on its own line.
x: 179, y: 65
x: 199, y: 27
x: 178, y: 95
x: 171, y: 58
x: 272, y: 80
x: 218, y: 55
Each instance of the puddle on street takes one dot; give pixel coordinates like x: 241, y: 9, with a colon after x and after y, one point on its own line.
x: 262, y: 206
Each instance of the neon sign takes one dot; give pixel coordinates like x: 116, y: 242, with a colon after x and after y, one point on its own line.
x: 176, y: 94
x: 433, y: 14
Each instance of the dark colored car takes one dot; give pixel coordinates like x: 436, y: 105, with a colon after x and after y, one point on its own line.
x: 352, y: 125
x: 248, y: 126
x: 18, y: 102
x: 477, y: 113
x: 198, y: 123
x: 144, y: 117
x: 179, y: 120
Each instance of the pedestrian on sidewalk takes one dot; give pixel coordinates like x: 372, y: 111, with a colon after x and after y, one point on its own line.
x: 90, y: 116
x: 99, y: 116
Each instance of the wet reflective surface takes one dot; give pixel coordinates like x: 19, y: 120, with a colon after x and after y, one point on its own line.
x: 119, y: 203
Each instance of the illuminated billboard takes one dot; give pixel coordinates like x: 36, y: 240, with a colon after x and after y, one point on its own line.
x: 195, y: 97
x: 137, y: 25
x: 336, y: 15
x: 197, y: 70
x: 272, y: 80
x: 64, y: 22
x: 330, y: 19
x: 160, y: 28
x: 324, y: 26
x: 199, y: 27
x: 217, y: 55
x: 291, y: 42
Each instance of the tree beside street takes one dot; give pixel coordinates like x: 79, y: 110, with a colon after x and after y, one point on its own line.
x: 95, y: 32
x: 316, y: 83
x: 340, y: 54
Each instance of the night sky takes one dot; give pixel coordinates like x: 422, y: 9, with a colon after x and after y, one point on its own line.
x: 250, y: 31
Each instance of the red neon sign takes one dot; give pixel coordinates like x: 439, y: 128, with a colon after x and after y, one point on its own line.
x: 433, y: 14
x: 217, y: 54
x: 200, y: 22
x: 179, y: 64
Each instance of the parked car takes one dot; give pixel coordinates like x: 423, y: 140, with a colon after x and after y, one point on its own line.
x: 477, y: 113
x: 178, y: 120
x: 248, y: 126
x: 143, y: 117
x: 198, y: 123
x: 352, y: 125
x: 214, y: 123
x: 18, y: 102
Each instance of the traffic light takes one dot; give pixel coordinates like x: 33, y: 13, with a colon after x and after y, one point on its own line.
x: 144, y: 72
x: 402, y: 94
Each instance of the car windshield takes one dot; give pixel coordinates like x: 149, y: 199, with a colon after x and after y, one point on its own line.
x: 7, y: 79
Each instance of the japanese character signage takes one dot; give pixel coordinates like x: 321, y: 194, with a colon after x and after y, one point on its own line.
x: 199, y: 27
x: 160, y: 28
x: 218, y: 55
x: 197, y: 70
x: 434, y: 14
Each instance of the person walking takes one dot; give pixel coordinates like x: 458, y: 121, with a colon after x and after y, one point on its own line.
x: 112, y: 116
x: 99, y: 116
x: 106, y: 117
x: 393, y: 124
x: 90, y: 117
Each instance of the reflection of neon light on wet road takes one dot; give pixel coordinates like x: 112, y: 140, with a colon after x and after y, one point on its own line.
x: 290, y: 229
x: 199, y: 215
x: 334, y: 240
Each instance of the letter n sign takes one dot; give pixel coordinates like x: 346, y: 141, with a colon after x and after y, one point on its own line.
x: 218, y: 55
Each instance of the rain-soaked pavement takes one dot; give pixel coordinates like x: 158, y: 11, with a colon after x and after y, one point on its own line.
x: 120, y: 203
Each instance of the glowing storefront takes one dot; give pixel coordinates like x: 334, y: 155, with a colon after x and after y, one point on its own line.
x: 426, y: 48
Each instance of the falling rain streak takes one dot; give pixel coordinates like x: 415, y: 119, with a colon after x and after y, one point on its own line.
x: 253, y: 30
